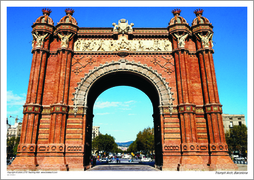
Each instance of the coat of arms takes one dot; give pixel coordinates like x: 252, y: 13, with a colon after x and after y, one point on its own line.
x: 123, y: 26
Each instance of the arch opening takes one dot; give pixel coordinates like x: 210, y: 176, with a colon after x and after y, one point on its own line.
x: 123, y: 78
x: 123, y: 72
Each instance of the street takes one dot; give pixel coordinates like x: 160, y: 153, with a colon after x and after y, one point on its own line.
x: 126, y: 161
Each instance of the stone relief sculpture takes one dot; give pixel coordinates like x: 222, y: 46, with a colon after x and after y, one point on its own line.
x: 64, y: 39
x: 205, y: 39
x: 181, y: 40
x: 39, y: 39
x: 123, y: 26
x: 122, y: 44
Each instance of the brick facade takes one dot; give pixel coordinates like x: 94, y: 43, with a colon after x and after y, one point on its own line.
x: 72, y: 65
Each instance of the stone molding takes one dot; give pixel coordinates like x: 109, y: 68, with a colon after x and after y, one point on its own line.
x: 164, y: 91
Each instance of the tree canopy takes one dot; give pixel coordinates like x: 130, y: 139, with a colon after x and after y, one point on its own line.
x: 144, y: 141
x: 237, y: 139
x: 104, y: 142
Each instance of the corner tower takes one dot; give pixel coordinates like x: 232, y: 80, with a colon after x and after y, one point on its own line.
x: 218, y: 149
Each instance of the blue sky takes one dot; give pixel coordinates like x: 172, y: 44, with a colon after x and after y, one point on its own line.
x: 124, y: 111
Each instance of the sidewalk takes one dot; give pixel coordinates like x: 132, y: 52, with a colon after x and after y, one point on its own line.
x: 242, y: 167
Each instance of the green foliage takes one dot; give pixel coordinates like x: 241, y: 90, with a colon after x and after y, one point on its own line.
x: 237, y: 139
x: 104, y: 142
x: 144, y: 141
x: 12, y: 146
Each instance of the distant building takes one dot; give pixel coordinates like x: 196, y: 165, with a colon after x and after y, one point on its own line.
x: 14, y: 130
x: 123, y: 148
x: 95, y: 132
x: 230, y: 120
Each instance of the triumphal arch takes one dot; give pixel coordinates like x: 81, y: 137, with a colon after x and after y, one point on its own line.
x: 72, y: 66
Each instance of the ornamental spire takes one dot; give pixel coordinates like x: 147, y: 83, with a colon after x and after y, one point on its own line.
x: 46, y: 11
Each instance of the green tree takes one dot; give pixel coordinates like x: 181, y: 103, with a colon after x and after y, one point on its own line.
x: 12, y: 146
x: 132, y: 147
x: 144, y: 141
x: 237, y: 139
x: 104, y: 142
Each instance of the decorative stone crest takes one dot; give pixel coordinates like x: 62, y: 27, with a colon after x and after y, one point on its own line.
x: 123, y: 26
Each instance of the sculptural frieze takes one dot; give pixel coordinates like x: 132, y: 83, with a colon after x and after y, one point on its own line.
x: 122, y: 44
x: 39, y: 39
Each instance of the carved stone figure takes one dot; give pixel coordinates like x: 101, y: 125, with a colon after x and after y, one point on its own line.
x: 78, y: 46
x: 123, y: 26
x: 39, y: 39
x: 124, y: 45
x: 205, y: 39
x: 181, y: 40
x: 158, y: 46
x: 64, y: 39
x: 167, y: 46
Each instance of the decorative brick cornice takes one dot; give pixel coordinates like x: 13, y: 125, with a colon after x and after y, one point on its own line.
x: 43, y: 27
x: 80, y: 110
x: 32, y: 108
x: 187, y: 108
x: 58, y: 108
x: 179, y: 27
x: 66, y: 27
x: 213, y: 108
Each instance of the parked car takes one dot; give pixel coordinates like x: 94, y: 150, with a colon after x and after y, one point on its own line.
x: 126, y: 156
x: 105, y: 160
x: 146, y: 159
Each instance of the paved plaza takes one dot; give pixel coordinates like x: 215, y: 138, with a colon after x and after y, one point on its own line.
x: 123, y: 167
x: 139, y: 167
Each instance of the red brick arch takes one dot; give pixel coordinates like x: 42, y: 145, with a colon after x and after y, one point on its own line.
x: 174, y: 62
x: 165, y: 95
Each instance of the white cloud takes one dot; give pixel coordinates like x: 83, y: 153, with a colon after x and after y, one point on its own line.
x: 101, y: 105
x: 102, y: 113
x: 14, y: 99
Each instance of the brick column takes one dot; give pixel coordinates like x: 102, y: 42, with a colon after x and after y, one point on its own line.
x: 27, y: 148
x: 191, y: 153
x: 59, y: 113
x: 218, y: 149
